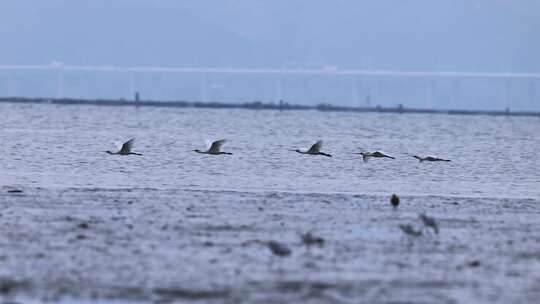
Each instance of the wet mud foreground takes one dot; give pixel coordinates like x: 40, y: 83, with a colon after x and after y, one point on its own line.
x: 175, y: 246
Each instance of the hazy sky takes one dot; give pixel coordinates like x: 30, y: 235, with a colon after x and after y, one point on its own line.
x: 493, y: 35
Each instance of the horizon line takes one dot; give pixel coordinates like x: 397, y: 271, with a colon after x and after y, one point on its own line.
x: 325, y: 70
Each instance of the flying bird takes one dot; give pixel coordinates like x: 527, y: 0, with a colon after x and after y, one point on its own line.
x: 215, y: 148
x: 126, y: 149
x: 430, y: 158
x: 314, y: 150
x: 377, y: 154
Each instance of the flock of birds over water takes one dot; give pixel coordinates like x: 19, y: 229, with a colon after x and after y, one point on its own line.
x: 315, y: 149
x: 281, y: 249
x: 308, y: 239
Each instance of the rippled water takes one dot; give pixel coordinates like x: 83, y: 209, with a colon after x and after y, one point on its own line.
x: 62, y: 146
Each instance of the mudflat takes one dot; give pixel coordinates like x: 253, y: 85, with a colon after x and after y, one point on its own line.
x: 89, y: 245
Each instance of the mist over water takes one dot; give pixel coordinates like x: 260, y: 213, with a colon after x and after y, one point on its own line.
x: 63, y: 146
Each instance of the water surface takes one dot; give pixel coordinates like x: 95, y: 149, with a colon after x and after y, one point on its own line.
x: 63, y: 146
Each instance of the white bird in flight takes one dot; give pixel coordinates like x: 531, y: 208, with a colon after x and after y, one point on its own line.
x: 314, y: 150
x: 126, y: 149
x: 430, y: 158
x: 215, y: 148
x: 376, y: 154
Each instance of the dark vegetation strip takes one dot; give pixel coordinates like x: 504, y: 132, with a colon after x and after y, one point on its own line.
x: 257, y: 105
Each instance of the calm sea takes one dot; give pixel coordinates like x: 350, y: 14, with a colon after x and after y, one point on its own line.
x: 63, y: 146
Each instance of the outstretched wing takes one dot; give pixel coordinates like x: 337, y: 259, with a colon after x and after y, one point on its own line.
x: 126, y: 147
x: 365, y: 156
x: 216, y: 146
x: 380, y: 154
x: 316, y: 148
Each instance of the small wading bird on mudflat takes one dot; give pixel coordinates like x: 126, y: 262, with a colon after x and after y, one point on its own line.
x: 126, y: 149
x: 409, y: 230
x: 394, y: 200
x: 429, y: 222
x: 430, y: 158
x: 310, y: 239
x: 215, y: 148
x: 314, y: 150
x: 377, y: 154
x: 279, y: 249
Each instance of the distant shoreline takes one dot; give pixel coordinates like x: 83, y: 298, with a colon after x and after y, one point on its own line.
x: 256, y: 105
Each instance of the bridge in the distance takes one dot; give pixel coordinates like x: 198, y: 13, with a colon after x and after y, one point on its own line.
x: 330, y: 71
x: 279, y: 74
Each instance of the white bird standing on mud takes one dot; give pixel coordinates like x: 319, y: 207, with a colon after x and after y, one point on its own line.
x: 215, y: 148
x: 314, y: 150
x: 126, y: 149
